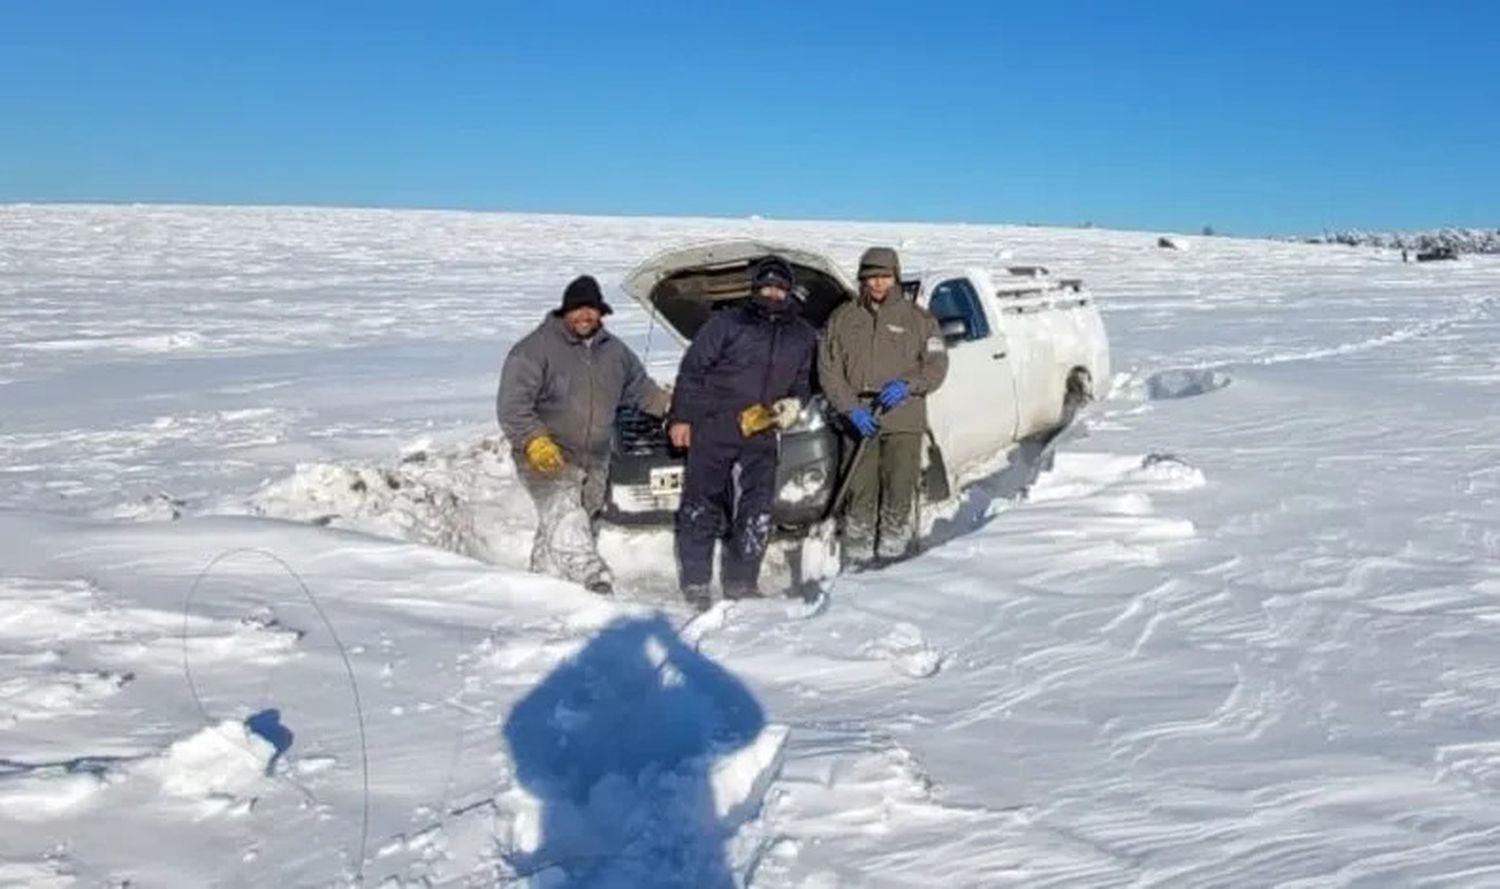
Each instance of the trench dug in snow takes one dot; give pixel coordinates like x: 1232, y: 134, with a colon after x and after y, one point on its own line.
x: 467, y: 499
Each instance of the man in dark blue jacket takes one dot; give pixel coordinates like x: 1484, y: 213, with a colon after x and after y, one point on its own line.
x: 748, y: 370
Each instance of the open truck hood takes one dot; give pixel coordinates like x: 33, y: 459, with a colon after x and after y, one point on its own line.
x: 682, y: 287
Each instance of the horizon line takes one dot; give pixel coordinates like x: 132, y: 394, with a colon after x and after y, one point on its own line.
x: 754, y: 217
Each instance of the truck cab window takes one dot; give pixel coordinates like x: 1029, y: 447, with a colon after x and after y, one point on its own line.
x: 957, y: 300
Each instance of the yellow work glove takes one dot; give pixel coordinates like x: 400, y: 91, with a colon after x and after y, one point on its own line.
x: 755, y: 419
x: 543, y: 454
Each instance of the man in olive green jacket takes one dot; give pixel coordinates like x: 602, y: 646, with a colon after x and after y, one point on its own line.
x: 880, y: 358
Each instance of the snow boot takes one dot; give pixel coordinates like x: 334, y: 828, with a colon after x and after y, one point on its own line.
x: 698, y: 596
x: 739, y: 591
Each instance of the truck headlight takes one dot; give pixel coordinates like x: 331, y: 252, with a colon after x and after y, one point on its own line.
x: 812, y: 418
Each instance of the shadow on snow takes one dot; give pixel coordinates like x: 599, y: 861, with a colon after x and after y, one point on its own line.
x: 617, y: 744
x: 1031, y: 457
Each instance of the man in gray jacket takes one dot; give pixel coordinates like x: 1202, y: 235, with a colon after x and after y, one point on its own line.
x: 559, y: 390
x: 880, y: 357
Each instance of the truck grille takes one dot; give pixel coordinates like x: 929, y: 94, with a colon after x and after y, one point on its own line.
x: 637, y: 432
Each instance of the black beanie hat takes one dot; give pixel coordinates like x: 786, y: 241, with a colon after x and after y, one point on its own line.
x: 772, y: 270
x: 583, y: 292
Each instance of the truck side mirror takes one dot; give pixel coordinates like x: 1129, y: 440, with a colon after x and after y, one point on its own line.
x: 954, y: 330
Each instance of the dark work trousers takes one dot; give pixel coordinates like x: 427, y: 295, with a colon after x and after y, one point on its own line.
x: 881, y: 516
x: 727, y: 493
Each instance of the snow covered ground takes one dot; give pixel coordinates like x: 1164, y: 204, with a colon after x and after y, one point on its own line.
x: 265, y: 622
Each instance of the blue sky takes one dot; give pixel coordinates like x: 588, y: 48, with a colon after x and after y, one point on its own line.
x: 1254, y: 117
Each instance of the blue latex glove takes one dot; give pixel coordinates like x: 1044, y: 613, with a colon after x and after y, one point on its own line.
x: 864, y: 422
x: 893, y: 393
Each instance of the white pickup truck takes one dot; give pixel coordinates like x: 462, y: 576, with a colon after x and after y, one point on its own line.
x: 1024, y: 351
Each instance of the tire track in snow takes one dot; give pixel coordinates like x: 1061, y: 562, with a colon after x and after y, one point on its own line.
x: 1209, y: 375
x: 1474, y: 310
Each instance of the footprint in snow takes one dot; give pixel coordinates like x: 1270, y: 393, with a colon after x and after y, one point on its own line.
x: 1170, y: 472
x: 907, y: 650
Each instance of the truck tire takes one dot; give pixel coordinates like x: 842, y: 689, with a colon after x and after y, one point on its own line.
x: 1078, y: 392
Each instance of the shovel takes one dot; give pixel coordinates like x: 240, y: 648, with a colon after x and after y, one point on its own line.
x: 859, y: 453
